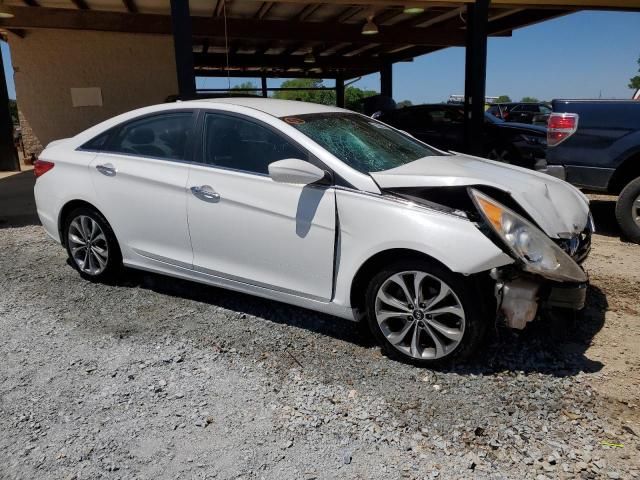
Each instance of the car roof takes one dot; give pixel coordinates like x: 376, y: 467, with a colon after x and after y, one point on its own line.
x: 271, y: 106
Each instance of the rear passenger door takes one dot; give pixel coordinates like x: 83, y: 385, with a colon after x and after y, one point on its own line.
x: 140, y: 178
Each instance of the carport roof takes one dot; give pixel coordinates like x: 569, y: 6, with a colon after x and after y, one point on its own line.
x: 295, y: 38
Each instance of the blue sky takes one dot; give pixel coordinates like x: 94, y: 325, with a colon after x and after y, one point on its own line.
x: 583, y: 55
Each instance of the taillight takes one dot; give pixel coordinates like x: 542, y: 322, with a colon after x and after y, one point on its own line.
x: 40, y: 167
x: 560, y: 127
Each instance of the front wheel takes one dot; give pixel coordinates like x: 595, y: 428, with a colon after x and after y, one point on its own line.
x: 424, y: 313
x: 628, y: 210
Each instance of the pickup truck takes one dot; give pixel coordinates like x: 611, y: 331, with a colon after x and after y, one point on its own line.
x: 595, y: 145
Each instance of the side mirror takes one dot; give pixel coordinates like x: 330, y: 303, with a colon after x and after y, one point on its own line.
x: 292, y: 170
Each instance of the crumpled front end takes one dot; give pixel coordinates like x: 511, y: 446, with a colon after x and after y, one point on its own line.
x: 546, y: 271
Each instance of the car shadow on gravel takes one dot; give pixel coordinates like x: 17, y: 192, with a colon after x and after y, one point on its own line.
x: 244, y: 304
x: 555, y: 344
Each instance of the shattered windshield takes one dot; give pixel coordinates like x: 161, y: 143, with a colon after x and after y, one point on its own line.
x: 362, y: 143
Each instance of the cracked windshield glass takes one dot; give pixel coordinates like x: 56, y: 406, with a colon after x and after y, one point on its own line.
x: 360, y: 142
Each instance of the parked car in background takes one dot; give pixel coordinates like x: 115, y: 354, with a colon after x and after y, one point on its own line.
x: 535, y: 113
x: 441, y: 125
x: 322, y: 208
x: 595, y: 144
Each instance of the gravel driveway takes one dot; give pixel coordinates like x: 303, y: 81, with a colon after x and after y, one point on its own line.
x: 160, y: 378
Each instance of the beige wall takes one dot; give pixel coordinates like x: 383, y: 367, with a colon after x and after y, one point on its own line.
x: 132, y: 70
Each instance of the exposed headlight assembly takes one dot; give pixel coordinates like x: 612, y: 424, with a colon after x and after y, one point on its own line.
x: 527, y: 242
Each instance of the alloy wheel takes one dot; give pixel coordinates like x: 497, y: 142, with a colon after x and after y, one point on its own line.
x: 635, y: 210
x: 88, y: 245
x: 420, y: 315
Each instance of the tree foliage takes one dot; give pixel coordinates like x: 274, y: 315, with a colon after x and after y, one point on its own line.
x: 246, y: 86
x: 353, y: 96
x: 529, y: 100
x: 404, y: 103
x: 503, y: 99
x: 634, y: 82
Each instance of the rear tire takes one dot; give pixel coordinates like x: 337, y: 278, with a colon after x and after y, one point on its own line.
x: 445, y: 313
x: 91, y: 245
x: 628, y: 210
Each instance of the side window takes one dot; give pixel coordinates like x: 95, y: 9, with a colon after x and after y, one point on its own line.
x: 161, y: 136
x: 446, y: 116
x: 98, y: 143
x: 233, y: 142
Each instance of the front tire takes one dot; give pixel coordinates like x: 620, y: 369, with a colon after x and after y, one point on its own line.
x: 91, y: 245
x: 628, y: 210
x: 423, y: 313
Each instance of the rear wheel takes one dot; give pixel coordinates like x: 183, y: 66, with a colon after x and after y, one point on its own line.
x: 423, y: 313
x: 628, y: 210
x: 92, y: 245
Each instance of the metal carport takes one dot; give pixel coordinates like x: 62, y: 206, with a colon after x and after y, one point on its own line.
x: 297, y: 38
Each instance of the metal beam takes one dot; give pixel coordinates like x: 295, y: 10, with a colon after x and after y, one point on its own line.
x: 8, y: 154
x: 131, y: 6
x: 340, y: 91
x: 81, y: 4
x: 286, y: 61
x: 475, y: 75
x: 241, y: 29
x: 183, y: 46
x: 263, y: 80
x: 386, y: 80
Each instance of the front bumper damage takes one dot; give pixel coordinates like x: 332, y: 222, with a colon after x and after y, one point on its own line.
x: 520, y: 298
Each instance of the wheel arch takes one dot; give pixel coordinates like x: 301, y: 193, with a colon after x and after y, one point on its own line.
x: 628, y: 170
x: 67, y: 209
x: 373, y: 264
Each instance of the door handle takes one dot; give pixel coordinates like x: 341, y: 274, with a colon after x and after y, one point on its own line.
x: 107, y: 169
x: 205, y: 191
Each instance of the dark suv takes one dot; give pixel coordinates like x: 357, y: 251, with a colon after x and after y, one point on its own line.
x: 536, y: 113
x: 441, y: 125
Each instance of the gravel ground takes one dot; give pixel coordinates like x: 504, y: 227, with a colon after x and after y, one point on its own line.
x: 160, y: 378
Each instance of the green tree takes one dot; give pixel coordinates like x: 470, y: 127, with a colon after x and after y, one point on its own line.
x: 246, y: 86
x: 326, y: 97
x: 634, y: 82
x: 353, y: 96
x: 529, y: 100
x: 503, y: 99
x: 404, y: 103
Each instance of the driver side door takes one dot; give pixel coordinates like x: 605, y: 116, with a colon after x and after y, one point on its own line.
x: 248, y: 228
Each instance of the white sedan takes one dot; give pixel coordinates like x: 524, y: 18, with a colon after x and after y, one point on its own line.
x: 321, y: 208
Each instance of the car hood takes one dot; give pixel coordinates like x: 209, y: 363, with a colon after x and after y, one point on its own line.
x: 560, y: 209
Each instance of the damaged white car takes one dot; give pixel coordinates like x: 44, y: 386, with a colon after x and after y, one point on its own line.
x: 322, y: 208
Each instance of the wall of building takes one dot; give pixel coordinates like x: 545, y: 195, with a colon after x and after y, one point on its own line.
x: 131, y: 71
